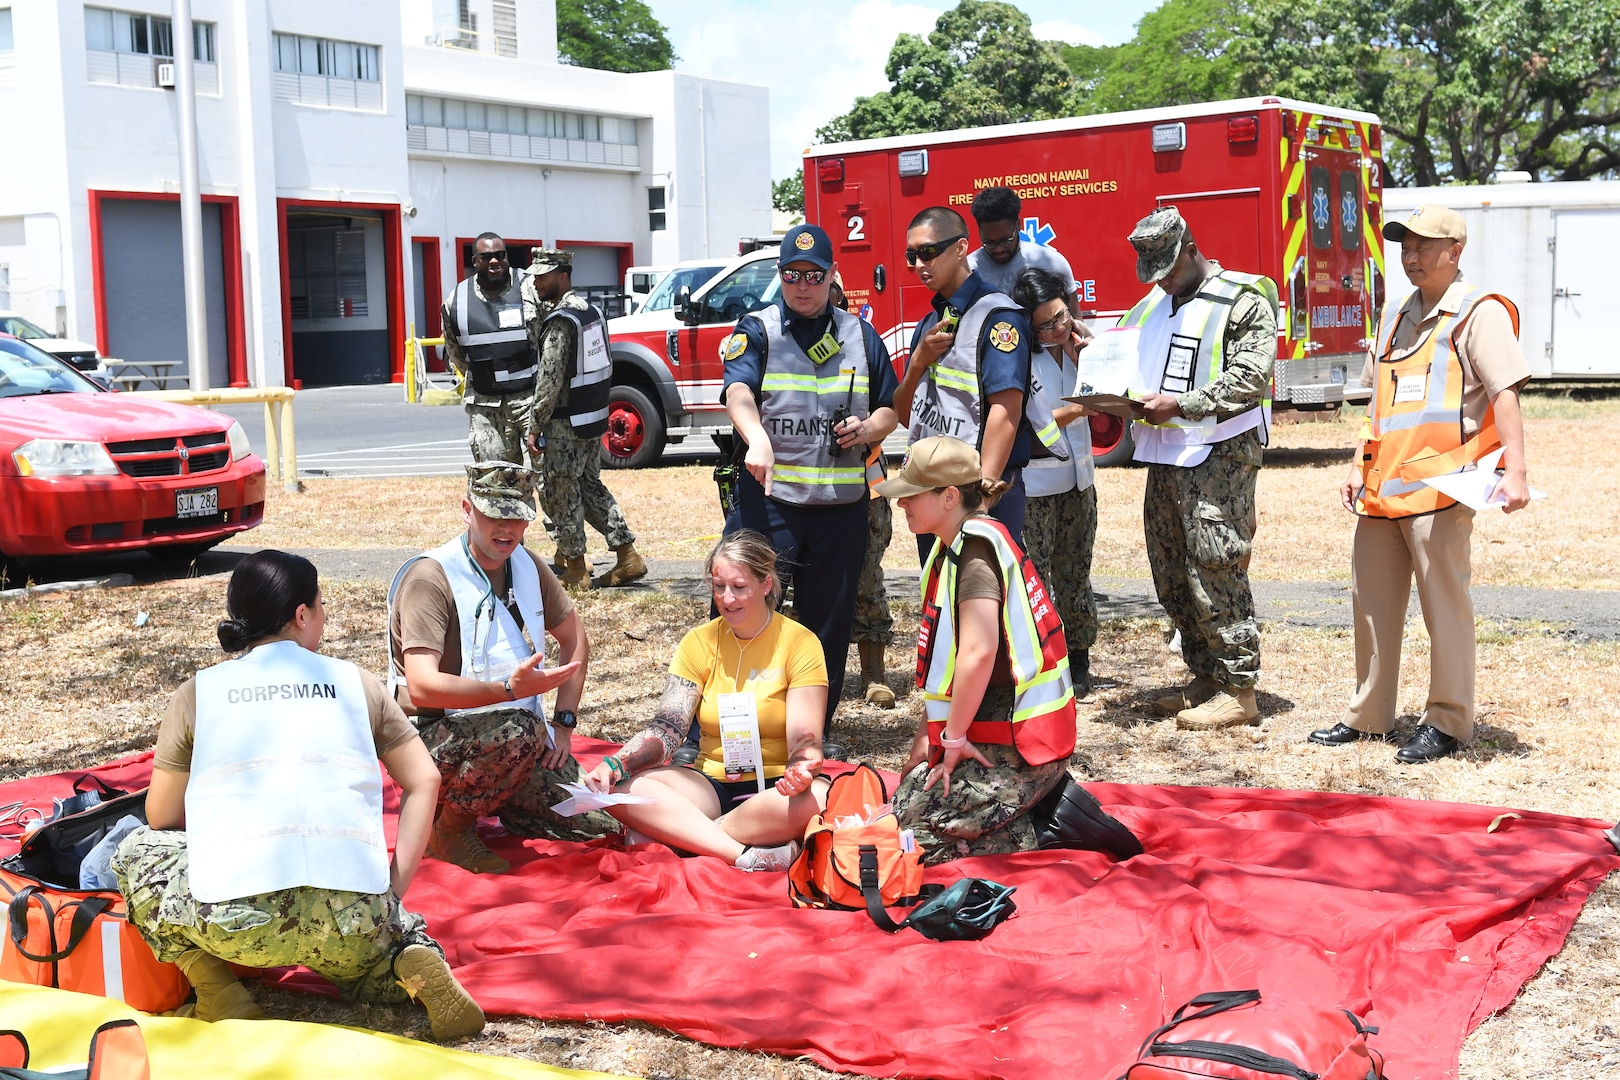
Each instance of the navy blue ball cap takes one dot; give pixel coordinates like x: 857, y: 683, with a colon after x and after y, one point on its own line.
x: 806, y: 243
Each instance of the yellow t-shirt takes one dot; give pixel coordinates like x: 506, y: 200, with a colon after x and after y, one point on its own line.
x: 785, y: 656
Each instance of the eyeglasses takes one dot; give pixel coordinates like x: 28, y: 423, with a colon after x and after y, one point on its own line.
x: 1053, y: 324
x: 490, y: 256
x: 1004, y: 242
x: 809, y: 277
x: 929, y: 252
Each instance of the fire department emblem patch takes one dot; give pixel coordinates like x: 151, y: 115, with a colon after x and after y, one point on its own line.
x: 804, y: 241
x: 734, y: 346
x: 1004, y: 337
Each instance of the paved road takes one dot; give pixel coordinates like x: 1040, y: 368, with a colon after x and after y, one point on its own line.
x: 1579, y: 614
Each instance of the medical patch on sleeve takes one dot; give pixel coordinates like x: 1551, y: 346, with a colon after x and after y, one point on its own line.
x: 734, y: 347
x: 1004, y: 337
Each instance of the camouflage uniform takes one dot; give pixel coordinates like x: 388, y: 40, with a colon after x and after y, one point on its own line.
x: 350, y: 938
x: 498, y: 424
x: 987, y: 811
x: 1060, y: 532
x: 572, y: 492
x: 872, y: 619
x: 488, y: 765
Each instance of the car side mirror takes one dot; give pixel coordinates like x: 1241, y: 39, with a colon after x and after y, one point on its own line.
x: 683, y: 305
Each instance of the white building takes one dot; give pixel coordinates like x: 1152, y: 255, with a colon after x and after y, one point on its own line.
x: 350, y: 151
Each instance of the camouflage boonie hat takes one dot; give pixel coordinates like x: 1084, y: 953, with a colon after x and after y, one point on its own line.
x: 545, y: 260
x: 1157, y: 239
x: 500, y: 489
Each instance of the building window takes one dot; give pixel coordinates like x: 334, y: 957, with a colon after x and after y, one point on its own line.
x: 8, y: 59
x: 505, y: 13
x: 122, y: 48
x: 486, y: 128
x: 655, y: 209
x: 6, y: 44
x: 326, y: 272
x: 320, y: 71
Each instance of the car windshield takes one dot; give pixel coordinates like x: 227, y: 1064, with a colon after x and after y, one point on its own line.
x: 26, y: 370
x: 662, y: 298
x: 748, y: 288
x: 17, y: 326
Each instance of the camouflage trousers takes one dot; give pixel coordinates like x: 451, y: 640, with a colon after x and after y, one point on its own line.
x: 872, y: 619
x: 498, y: 427
x: 1200, y: 528
x: 987, y: 811
x: 350, y: 938
x: 1060, y: 533
x: 489, y: 765
x: 574, y: 494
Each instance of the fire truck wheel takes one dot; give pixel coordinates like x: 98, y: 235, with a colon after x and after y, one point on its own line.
x: 635, y: 432
x: 1110, y: 441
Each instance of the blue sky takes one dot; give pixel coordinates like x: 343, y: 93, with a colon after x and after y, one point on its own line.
x: 817, y: 57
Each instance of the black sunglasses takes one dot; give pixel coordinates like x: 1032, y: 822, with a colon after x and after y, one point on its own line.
x: 490, y: 256
x: 930, y: 252
x: 809, y: 277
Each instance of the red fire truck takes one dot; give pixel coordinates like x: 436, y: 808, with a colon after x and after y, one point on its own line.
x: 1268, y: 185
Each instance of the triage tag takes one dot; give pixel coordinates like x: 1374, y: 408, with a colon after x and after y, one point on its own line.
x: 511, y: 317
x: 1411, y: 388
x: 824, y: 350
x: 739, y: 736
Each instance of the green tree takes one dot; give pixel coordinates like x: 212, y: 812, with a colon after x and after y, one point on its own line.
x: 787, y: 195
x: 1182, y: 53
x: 980, y: 65
x: 612, y: 35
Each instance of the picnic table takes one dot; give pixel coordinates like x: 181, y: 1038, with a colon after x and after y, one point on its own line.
x: 130, y: 374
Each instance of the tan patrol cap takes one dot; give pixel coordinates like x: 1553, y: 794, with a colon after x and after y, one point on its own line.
x: 1429, y: 220
x: 935, y: 462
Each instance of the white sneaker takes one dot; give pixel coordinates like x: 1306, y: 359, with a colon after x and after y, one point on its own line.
x: 773, y: 859
x: 634, y: 836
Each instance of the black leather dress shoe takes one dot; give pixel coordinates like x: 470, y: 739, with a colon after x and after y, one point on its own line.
x: 1426, y: 744
x: 1341, y: 734
x: 832, y: 751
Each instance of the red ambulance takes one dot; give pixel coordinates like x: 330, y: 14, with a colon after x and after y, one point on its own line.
x: 1268, y: 185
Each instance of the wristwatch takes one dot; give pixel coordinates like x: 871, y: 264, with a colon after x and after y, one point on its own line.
x: 565, y: 718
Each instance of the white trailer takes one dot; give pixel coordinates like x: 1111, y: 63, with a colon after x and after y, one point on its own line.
x: 1548, y: 247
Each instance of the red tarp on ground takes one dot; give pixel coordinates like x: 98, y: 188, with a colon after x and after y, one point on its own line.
x: 1408, y: 912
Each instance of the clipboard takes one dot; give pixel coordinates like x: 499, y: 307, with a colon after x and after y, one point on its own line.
x: 1126, y: 408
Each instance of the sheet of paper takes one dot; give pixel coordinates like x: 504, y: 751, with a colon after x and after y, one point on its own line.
x: 581, y: 798
x: 1108, y: 365
x: 1476, y: 487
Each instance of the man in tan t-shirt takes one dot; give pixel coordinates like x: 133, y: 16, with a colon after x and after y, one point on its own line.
x: 1405, y: 529
x: 493, y: 758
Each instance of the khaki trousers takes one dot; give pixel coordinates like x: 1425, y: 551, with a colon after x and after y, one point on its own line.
x: 1387, y: 555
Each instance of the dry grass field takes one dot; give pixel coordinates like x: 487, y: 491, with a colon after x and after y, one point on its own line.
x: 88, y: 684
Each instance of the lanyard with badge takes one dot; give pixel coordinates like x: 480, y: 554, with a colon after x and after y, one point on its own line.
x: 483, y: 618
x: 739, y: 721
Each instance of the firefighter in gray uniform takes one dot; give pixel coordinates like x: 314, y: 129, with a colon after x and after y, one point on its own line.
x: 570, y: 415
x: 488, y: 327
x: 809, y: 387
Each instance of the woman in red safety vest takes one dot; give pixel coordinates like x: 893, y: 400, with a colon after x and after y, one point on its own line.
x: 991, y: 662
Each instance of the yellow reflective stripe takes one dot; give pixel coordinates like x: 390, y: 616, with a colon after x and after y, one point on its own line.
x: 1048, y: 434
x: 956, y: 380
x: 828, y: 384
x: 811, y: 474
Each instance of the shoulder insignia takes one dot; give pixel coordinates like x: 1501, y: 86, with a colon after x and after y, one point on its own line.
x: 1004, y: 337
x: 734, y: 346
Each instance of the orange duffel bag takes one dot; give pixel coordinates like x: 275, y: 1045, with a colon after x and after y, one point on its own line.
x: 79, y: 939
x: 857, y: 822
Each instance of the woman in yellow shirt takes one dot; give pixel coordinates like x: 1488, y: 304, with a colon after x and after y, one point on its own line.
x: 758, y: 685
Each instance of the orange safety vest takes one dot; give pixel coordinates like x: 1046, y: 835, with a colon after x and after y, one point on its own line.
x: 1415, y: 423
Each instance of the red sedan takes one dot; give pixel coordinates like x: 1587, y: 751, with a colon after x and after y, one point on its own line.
x: 83, y: 470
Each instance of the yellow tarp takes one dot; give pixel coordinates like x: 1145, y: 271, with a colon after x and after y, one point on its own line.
x: 58, y: 1026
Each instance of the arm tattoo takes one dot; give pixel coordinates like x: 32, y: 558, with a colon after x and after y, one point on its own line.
x: 809, y: 740
x: 657, y: 743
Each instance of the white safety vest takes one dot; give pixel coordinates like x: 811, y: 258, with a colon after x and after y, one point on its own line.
x: 492, y: 644
x: 1051, y: 376
x: 285, y: 789
x: 1179, y: 351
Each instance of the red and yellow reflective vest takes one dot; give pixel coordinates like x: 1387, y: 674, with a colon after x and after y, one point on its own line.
x: 1414, y: 427
x: 1041, y: 725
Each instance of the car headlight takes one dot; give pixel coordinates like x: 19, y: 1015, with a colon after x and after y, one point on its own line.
x: 239, y: 442
x: 57, y: 457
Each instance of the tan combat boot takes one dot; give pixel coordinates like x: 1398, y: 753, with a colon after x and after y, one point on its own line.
x: 876, y: 690
x: 1229, y: 708
x: 1190, y: 696
x: 425, y: 976
x: 576, y: 573
x: 220, y: 994
x: 629, y: 568
x: 454, y: 839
